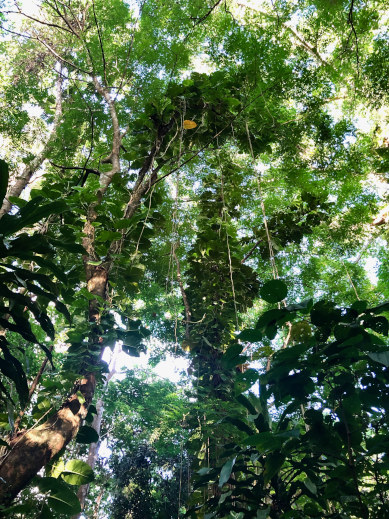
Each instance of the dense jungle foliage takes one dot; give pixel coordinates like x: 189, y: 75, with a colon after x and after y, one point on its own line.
x: 202, y: 184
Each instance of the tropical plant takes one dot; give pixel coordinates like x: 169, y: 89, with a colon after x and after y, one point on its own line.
x: 172, y: 158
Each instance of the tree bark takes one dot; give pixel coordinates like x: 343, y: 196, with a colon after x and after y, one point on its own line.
x: 34, y: 448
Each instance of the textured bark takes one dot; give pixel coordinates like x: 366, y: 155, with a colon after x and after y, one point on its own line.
x: 34, y: 448
x: 24, y: 178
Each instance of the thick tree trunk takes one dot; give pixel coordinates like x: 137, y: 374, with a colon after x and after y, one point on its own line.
x: 33, y: 449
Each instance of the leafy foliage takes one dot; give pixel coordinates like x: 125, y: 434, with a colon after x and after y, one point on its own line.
x: 198, y: 165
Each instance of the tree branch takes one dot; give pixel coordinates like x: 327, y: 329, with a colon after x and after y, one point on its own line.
x: 24, y: 178
x: 202, y: 18
x: 101, y: 44
x: 299, y: 38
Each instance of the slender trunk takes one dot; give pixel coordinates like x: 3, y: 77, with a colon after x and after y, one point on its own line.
x: 31, y: 391
x: 98, y: 502
x: 96, y: 424
x: 24, y: 178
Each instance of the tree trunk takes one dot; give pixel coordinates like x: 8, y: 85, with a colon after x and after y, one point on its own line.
x: 96, y: 424
x: 32, y: 449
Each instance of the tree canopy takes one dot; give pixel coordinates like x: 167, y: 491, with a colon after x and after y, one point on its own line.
x: 199, y: 181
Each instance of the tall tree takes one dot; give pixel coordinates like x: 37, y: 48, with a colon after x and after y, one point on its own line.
x: 242, y: 123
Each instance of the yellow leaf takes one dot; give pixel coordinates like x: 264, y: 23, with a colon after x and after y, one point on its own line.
x: 188, y: 125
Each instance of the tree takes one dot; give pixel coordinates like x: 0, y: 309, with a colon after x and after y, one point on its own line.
x: 259, y: 159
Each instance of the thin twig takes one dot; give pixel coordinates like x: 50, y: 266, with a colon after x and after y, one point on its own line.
x: 101, y: 44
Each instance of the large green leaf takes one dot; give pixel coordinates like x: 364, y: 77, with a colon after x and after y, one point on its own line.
x: 77, y: 472
x: 245, y: 380
x: 226, y: 470
x: 274, y: 291
x: 34, y: 211
x: 64, y: 501
x: 232, y: 357
x: 11, y: 367
x: 382, y: 357
x: 87, y: 434
x: 249, y: 335
x: 273, y: 464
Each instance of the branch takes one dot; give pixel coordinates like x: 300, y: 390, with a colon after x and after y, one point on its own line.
x: 114, y: 157
x: 305, y: 44
x: 24, y: 178
x: 17, y: 33
x: 48, y: 24
x: 61, y: 59
x: 202, y: 18
x: 101, y: 45
x: 351, y: 22
x: 251, y: 251
x: 57, y: 10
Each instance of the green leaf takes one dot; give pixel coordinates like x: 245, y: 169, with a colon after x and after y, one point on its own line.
x: 310, y: 486
x: 240, y: 424
x: 11, y: 367
x: 381, y: 357
x: 15, y: 200
x: 64, y: 502
x: 250, y: 335
x: 232, y: 357
x: 73, y: 247
x: 225, y: 472
x: 325, y: 313
x: 359, y: 306
x: 4, y: 175
x: 270, y: 320
x: 49, y: 484
x: 130, y: 350
x: 87, y: 434
x: 273, y: 464
x: 383, y: 307
x: 245, y: 380
x: 204, y: 471
x: 34, y: 211
x: 108, y: 236
x: 17, y: 509
x: 265, y: 441
x: 263, y: 514
x: 274, y: 291
x: 77, y: 472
